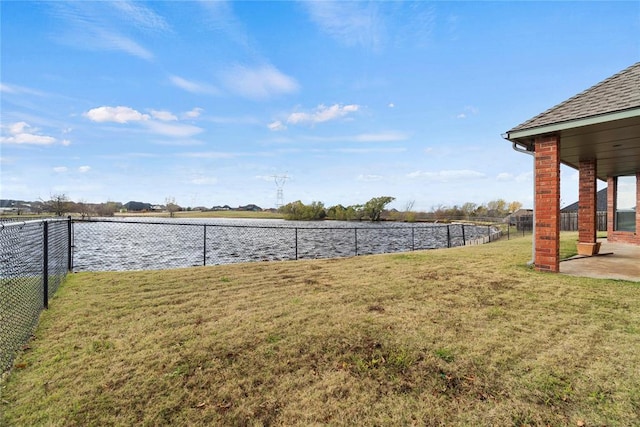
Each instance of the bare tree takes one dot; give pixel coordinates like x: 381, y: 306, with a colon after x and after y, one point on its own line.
x: 171, y: 206
x: 59, y: 204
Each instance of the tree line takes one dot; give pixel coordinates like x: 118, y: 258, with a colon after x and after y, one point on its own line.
x: 371, y: 210
x: 374, y: 210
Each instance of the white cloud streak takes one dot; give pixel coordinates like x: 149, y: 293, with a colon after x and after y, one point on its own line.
x: 350, y: 23
x: 259, y: 83
x: 446, y: 175
x: 322, y: 114
x: 194, y: 86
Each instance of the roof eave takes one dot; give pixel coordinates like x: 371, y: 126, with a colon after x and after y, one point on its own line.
x: 518, y: 136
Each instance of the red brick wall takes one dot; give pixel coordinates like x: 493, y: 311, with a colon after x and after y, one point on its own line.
x: 587, y: 202
x: 621, y: 236
x: 547, y: 176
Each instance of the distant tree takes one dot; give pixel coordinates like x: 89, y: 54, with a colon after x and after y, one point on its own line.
x: 468, y: 209
x: 299, y: 211
x: 497, y: 208
x: 374, y: 207
x: 171, y: 206
x: 59, y: 204
x: 84, y: 209
x: 514, y: 206
x: 408, y: 213
x: 107, y: 209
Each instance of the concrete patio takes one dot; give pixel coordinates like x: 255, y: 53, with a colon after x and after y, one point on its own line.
x: 615, y: 261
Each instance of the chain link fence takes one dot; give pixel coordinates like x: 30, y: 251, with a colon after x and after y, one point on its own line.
x: 35, y: 256
x: 117, y: 245
x: 34, y: 259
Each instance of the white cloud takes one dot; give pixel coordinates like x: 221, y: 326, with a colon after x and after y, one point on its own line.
x: 115, y: 114
x: 370, y: 150
x: 174, y: 130
x: 259, y: 83
x: 210, y: 155
x: 193, y: 113
x: 140, y: 16
x: 163, y: 115
x: 102, y: 25
x: 468, y: 110
x: 322, y: 113
x: 447, y: 175
x: 350, y: 23
x: 381, y: 137
x: 505, y: 176
x: 23, y: 133
x: 204, y: 180
x: 156, y: 123
x: 276, y: 126
x: 15, y: 89
x: 66, y: 142
x: 60, y: 169
x: 193, y: 86
x: 369, y: 178
x: 391, y: 105
x: 84, y: 169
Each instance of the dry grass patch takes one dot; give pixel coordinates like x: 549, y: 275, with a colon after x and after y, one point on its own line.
x: 464, y: 336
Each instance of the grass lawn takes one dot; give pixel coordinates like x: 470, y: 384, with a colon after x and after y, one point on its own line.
x: 462, y: 336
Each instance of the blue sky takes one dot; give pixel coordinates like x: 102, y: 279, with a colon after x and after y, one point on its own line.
x: 206, y: 102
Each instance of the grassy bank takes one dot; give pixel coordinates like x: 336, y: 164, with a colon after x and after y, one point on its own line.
x: 463, y: 336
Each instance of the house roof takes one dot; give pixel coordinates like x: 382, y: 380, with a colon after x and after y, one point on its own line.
x: 619, y: 92
x: 601, y: 203
x: 601, y: 123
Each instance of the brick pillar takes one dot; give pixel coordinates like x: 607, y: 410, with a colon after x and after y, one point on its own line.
x: 547, y: 215
x: 637, y: 234
x: 587, y: 205
x: 612, y: 185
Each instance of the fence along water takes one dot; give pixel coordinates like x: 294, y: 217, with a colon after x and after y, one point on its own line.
x: 116, y: 245
x: 35, y: 256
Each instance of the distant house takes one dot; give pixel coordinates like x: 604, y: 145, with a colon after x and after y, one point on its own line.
x: 221, y: 208
x: 250, y: 207
x: 137, y: 206
x: 601, y: 203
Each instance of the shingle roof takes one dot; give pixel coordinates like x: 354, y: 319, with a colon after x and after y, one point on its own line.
x: 601, y: 203
x: 617, y: 93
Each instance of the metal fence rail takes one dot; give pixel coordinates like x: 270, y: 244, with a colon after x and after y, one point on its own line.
x: 112, y: 245
x: 34, y: 259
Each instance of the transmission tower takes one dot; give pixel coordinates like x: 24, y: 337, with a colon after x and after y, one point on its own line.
x: 280, y: 180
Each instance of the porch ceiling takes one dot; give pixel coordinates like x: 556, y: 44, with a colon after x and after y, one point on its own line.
x: 613, y: 141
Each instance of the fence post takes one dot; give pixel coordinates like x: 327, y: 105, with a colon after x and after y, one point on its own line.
x: 69, y: 241
x: 204, y: 246
x: 449, y: 236
x: 413, y: 239
x: 45, y: 265
x: 464, y: 238
x: 355, y: 233
x: 296, y: 229
x: 489, y: 232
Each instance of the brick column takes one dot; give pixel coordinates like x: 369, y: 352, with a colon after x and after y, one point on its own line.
x: 587, y: 204
x: 637, y: 234
x: 547, y: 176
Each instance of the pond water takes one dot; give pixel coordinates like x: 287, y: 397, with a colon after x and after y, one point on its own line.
x: 142, y: 244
